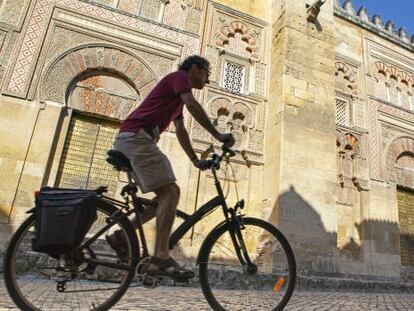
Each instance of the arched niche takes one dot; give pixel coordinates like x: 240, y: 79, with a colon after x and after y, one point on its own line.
x: 77, y: 64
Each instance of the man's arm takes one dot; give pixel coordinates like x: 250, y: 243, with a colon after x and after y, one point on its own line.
x: 199, y: 114
x: 184, y: 140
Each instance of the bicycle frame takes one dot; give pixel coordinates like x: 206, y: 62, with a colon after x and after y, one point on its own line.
x: 230, y: 215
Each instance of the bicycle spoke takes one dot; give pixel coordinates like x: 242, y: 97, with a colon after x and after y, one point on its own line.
x: 93, y: 276
x: 264, y: 287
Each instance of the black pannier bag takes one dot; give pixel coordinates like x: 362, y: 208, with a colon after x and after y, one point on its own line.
x: 62, y: 219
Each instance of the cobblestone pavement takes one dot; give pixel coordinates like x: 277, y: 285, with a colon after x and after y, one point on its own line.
x: 184, y: 298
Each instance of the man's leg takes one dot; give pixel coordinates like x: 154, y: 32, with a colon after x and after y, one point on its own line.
x: 167, y: 205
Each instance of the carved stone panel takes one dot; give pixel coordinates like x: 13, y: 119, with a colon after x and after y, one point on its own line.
x: 260, y: 83
x: 12, y: 11
x: 193, y: 20
x: 129, y: 6
x: 352, y: 162
x: 393, y: 85
x: 104, y: 95
x: 60, y: 75
x: 151, y: 9
x: 226, y: 26
x: 212, y: 55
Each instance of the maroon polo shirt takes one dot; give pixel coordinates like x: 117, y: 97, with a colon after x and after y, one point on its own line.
x: 162, y: 105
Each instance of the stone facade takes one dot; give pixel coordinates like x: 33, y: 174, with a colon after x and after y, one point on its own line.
x: 323, y: 108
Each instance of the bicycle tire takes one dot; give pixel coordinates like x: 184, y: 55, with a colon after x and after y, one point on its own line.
x: 10, y: 267
x: 205, y: 254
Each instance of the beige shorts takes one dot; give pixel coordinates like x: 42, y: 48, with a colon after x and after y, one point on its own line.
x: 152, y: 169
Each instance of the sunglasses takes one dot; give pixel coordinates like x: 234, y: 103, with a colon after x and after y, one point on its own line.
x: 208, y: 72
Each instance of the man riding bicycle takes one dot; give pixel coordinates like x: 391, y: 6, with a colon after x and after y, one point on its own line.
x: 137, y: 140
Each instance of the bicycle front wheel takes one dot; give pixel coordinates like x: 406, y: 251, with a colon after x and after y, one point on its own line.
x: 37, y: 281
x: 266, y: 284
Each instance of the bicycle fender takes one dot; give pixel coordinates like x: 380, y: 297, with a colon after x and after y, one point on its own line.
x: 212, y: 235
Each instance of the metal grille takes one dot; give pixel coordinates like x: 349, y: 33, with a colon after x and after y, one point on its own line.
x: 342, y: 112
x: 406, y: 219
x: 83, y: 163
x: 233, y: 77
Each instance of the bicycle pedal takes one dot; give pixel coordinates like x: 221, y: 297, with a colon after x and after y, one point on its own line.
x: 151, y: 282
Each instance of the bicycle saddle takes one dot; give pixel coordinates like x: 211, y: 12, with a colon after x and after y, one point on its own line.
x: 118, y: 160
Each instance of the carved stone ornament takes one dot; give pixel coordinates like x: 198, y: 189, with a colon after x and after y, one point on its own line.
x: 402, y: 145
x: 349, y: 160
x: 230, y: 31
x: 63, y: 73
x: 345, y: 80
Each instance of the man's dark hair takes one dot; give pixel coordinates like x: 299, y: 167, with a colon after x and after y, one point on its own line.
x: 194, y: 59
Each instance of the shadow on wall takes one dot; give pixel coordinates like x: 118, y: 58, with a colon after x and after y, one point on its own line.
x: 357, y: 249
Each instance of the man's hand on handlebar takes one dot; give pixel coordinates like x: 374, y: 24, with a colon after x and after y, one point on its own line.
x: 227, y: 139
x: 202, y: 164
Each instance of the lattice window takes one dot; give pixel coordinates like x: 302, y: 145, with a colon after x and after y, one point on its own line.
x: 406, y: 217
x: 234, y: 77
x: 83, y: 164
x: 342, y: 112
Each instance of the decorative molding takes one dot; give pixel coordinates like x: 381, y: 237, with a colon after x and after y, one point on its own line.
x: 398, y: 146
x: 20, y: 74
x: 228, y: 32
x: 91, y: 59
x: 348, y: 75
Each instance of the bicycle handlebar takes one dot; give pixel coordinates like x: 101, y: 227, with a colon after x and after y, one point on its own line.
x: 216, y: 159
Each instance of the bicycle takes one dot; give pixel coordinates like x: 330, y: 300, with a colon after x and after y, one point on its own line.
x: 242, y: 258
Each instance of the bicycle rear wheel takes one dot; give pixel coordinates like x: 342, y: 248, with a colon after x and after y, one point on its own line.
x: 267, y: 284
x: 35, y: 281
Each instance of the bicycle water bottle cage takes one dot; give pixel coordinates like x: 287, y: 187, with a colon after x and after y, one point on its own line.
x: 118, y: 160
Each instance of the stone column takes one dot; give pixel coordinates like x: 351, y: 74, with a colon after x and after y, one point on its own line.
x: 300, y: 134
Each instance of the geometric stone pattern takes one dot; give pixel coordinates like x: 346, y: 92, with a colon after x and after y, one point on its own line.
x: 173, y: 13
x: 374, y: 150
x: 31, y: 42
x: 32, y: 39
x: 239, y: 118
x: 95, y: 58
